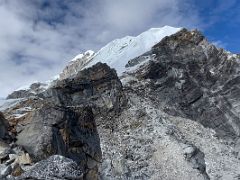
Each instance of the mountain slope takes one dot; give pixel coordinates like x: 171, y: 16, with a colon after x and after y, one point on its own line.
x: 182, y: 120
x: 173, y: 114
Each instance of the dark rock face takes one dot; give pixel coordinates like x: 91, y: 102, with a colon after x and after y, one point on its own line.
x: 98, y: 87
x: 196, y: 80
x: 63, y: 131
x: 3, y: 127
x: 61, y: 121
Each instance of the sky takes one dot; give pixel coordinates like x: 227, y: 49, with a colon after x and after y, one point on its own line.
x: 39, y: 37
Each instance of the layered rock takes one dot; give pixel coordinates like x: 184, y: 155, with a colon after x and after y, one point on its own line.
x: 182, y: 116
x: 194, y: 79
x: 98, y: 87
x: 64, y: 131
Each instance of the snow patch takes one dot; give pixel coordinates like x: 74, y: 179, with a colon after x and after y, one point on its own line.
x: 88, y: 53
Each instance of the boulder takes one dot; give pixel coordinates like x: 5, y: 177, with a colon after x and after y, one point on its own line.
x: 65, y: 131
x: 56, y: 168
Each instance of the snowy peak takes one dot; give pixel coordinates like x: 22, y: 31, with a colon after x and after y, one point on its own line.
x: 118, y: 52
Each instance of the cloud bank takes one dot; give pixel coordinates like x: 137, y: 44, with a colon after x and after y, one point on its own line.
x: 37, y: 38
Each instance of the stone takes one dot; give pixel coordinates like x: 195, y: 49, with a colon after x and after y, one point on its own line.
x: 3, y: 127
x: 5, y: 171
x: 5, y: 150
x: 16, y: 170
x: 55, y: 130
x: 56, y: 168
x: 23, y: 159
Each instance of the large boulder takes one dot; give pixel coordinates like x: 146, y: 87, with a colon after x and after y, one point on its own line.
x: 62, y: 118
x: 98, y: 87
x: 65, y: 131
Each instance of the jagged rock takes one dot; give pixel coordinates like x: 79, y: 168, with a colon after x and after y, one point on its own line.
x: 76, y: 64
x: 32, y: 90
x: 61, y: 119
x: 98, y: 87
x: 186, y: 79
x: 55, y: 168
x: 64, y: 131
x: 195, y: 80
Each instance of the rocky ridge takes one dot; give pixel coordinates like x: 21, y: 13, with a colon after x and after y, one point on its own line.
x: 174, y: 114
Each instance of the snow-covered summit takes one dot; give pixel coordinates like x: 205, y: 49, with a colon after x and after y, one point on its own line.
x: 118, y: 52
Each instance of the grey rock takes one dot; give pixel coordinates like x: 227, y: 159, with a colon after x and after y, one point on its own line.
x: 188, y: 95
x: 64, y: 122
x: 195, y: 80
x: 55, y: 130
x: 5, y: 171
x: 33, y: 89
x: 55, y: 167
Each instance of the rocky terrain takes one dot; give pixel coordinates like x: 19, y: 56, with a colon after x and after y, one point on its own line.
x: 173, y: 113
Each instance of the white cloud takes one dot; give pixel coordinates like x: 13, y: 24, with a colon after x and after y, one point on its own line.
x: 220, y: 44
x: 37, y: 38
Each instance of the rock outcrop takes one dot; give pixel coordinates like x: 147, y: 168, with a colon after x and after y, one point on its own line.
x: 195, y: 80
x: 182, y: 117
x: 61, y: 121
x: 32, y: 90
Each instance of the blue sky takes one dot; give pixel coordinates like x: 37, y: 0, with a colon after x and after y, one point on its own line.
x: 38, y: 38
x: 220, y: 22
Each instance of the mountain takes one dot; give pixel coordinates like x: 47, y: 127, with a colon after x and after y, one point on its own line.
x: 162, y: 105
x: 118, y: 52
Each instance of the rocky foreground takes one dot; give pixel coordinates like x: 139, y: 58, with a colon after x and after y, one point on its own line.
x: 175, y: 115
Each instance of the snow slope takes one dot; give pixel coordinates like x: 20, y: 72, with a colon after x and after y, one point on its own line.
x: 118, y: 52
